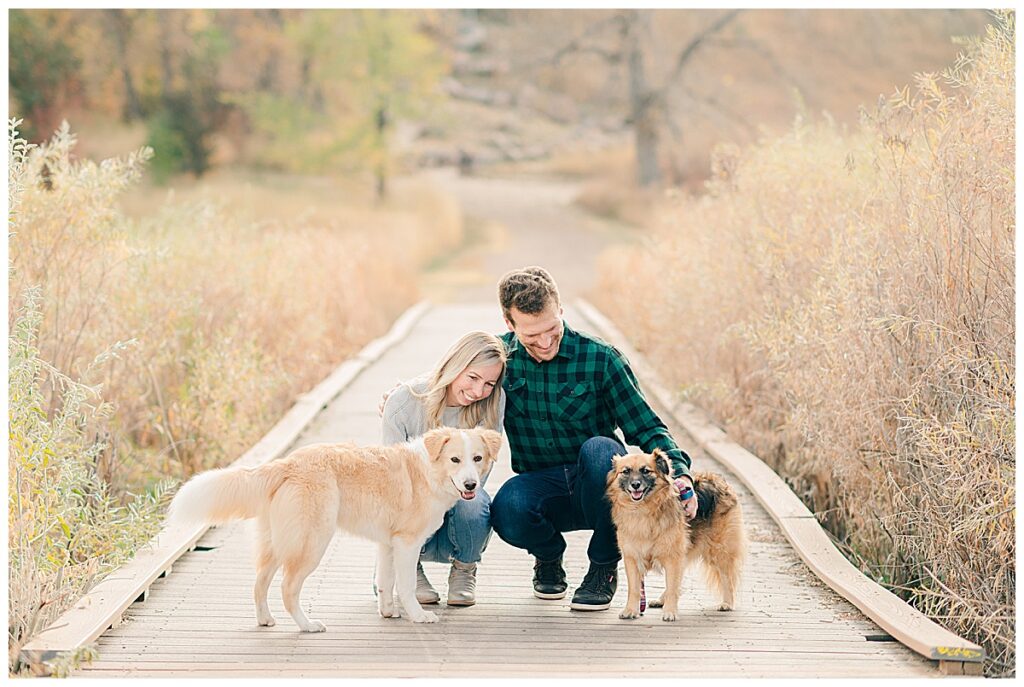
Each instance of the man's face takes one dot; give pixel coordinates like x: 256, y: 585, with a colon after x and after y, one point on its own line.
x: 540, y: 334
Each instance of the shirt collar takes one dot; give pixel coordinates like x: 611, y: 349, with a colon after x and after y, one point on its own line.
x: 570, y: 342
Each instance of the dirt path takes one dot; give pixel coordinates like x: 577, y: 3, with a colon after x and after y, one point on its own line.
x: 515, y: 222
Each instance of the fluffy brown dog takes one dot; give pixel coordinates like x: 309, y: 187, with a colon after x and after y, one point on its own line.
x: 653, y: 532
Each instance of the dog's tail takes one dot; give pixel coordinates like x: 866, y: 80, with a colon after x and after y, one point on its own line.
x: 218, y: 496
x: 714, y: 495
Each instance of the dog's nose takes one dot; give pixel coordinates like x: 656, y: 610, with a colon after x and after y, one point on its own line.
x: 470, y: 486
x: 635, y: 485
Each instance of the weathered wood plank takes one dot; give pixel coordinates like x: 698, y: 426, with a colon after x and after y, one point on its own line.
x: 715, y: 668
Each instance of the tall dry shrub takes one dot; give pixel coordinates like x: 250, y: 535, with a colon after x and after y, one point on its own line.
x: 844, y: 304
x: 223, y: 323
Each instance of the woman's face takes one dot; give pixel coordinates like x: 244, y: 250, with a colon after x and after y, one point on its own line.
x: 473, y: 384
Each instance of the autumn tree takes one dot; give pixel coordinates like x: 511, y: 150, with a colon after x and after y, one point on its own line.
x: 44, y: 69
x: 365, y: 70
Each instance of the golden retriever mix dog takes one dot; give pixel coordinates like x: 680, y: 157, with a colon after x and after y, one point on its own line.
x: 653, y: 532
x: 394, y: 495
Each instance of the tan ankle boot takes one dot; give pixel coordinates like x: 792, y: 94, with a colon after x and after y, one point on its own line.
x: 462, y: 584
x: 425, y: 592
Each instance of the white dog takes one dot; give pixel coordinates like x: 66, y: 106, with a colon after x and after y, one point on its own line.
x: 394, y: 495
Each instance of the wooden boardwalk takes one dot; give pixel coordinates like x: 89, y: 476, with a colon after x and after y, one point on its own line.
x: 200, y: 620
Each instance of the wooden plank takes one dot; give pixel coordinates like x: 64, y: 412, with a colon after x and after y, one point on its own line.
x: 105, y: 603
x: 484, y: 668
x: 641, y: 633
x: 798, y: 524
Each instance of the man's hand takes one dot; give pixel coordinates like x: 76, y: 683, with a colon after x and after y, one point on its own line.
x: 689, y: 496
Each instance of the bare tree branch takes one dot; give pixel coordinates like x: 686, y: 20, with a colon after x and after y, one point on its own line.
x: 576, y: 45
x: 689, y: 51
x: 609, y: 56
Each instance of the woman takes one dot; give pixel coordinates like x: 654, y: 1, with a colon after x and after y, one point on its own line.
x: 464, y: 390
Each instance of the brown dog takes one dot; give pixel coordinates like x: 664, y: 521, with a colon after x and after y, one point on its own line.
x: 653, y: 532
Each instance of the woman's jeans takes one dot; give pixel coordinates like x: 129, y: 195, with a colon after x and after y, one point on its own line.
x: 464, y: 534
x: 532, y: 509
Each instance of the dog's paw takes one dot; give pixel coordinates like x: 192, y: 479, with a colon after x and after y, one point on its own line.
x: 629, y: 613
x: 266, y: 622
x: 387, y: 608
x: 656, y: 604
x: 668, y: 616
x: 315, y: 626
x: 725, y: 607
x: 427, y: 617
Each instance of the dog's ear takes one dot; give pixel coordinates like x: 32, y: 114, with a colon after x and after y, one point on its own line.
x: 616, y: 460
x: 492, y: 441
x: 434, y: 441
x: 661, y: 462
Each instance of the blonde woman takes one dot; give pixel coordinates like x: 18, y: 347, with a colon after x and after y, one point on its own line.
x: 464, y: 390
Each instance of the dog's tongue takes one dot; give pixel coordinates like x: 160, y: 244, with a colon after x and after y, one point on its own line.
x: 636, y: 495
x: 468, y: 495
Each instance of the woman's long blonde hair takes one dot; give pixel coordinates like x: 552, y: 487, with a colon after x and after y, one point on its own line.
x: 473, y: 349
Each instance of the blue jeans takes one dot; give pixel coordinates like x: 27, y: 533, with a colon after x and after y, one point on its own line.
x: 464, y: 534
x: 532, y: 509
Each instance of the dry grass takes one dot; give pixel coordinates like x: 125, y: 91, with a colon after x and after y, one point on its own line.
x: 230, y: 302
x: 844, y: 304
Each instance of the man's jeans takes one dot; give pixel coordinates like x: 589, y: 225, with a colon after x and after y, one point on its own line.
x: 464, y: 534
x: 531, y: 510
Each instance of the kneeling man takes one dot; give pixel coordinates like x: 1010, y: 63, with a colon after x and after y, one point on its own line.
x: 566, y: 392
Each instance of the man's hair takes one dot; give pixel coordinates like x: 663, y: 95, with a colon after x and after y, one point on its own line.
x: 529, y: 290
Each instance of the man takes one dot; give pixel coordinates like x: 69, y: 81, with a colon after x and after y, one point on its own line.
x: 566, y: 392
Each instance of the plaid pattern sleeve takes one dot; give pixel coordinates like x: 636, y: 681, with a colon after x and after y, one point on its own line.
x: 587, y: 390
x: 633, y: 414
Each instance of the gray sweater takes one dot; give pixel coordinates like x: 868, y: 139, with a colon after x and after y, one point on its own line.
x: 405, y: 416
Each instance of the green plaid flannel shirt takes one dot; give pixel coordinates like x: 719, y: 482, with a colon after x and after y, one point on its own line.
x: 587, y: 390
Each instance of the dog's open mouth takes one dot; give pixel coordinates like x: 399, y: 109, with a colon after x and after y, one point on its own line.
x: 637, y: 495
x: 468, y: 495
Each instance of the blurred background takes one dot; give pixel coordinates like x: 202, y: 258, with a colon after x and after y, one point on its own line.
x: 210, y: 209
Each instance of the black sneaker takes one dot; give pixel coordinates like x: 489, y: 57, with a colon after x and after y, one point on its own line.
x: 549, y: 579
x: 597, y: 589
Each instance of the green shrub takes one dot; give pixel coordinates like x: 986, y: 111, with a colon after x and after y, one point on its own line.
x: 66, y: 530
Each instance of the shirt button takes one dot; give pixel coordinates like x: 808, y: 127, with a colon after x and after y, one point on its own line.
x: 551, y: 443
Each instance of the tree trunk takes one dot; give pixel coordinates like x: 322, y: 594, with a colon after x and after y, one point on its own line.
x: 166, y: 70
x: 381, y: 121
x: 121, y: 24
x: 641, y: 99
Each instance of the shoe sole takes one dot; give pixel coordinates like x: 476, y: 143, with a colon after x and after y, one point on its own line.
x: 462, y: 603
x: 549, y: 597
x: 590, y: 607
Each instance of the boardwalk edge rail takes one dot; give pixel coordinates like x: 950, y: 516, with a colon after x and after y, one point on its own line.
x: 905, y: 623
x: 104, y: 605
